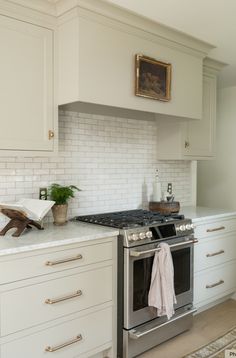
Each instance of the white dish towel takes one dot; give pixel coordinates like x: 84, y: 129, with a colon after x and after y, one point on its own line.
x: 162, y: 293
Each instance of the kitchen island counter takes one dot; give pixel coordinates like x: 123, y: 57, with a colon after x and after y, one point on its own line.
x: 52, y: 236
x: 201, y: 214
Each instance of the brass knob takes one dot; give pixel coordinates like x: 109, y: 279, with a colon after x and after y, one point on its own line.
x: 50, y: 134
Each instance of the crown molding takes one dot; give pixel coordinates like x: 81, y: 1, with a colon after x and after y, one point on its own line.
x: 213, y: 66
x: 44, y: 6
x: 125, y: 17
x: 25, y: 11
x: 113, y: 15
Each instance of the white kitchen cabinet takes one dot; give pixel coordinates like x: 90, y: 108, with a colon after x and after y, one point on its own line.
x: 200, y: 136
x: 215, y: 251
x: 41, y: 302
x: 66, y: 303
x: 192, y: 139
x: 27, y: 87
x: 214, y: 260
x: 81, y: 337
x: 214, y: 284
x: 43, y: 263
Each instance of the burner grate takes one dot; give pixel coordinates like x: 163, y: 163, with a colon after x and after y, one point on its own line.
x: 129, y: 219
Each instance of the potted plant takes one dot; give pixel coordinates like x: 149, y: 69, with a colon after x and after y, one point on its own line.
x: 61, y: 194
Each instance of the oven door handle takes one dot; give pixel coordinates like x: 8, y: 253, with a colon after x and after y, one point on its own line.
x: 136, y: 334
x: 136, y: 253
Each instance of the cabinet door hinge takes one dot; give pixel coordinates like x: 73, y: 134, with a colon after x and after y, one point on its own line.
x: 50, y: 134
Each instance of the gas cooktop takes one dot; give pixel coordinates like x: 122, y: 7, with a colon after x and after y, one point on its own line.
x: 129, y: 219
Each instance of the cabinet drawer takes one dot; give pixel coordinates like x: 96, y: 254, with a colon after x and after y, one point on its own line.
x: 212, y: 283
x: 94, y: 330
x: 214, y: 252
x: 50, y: 262
x: 219, y: 227
x: 29, y: 306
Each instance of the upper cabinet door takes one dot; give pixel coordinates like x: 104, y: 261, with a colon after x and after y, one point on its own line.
x: 201, y: 134
x: 26, y: 86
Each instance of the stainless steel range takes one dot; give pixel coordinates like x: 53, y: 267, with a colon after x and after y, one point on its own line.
x: 141, y: 232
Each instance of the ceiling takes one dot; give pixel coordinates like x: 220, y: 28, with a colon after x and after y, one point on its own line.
x: 210, y: 20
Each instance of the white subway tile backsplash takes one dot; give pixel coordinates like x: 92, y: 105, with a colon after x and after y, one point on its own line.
x: 8, y: 159
x: 40, y: 159
x: 7, y: 172
x: 33, y: 165
x: 12, y: 191
x: 113, y: 160
x: 15, y: 165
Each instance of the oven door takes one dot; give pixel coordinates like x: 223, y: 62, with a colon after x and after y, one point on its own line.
x: 137, y: 278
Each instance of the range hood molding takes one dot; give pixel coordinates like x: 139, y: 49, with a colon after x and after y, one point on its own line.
x: 97, y: 46
x: 117, y: 112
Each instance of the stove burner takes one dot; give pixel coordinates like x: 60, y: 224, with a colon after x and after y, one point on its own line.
x: 129, y: 219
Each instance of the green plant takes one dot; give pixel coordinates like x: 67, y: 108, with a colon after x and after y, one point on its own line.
x: 61, y: 194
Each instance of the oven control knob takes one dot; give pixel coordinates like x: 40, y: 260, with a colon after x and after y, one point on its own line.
x: 188, y: 227
x: 135, y: 237
x: 142, y: 236
x: 192, y: 226
x: 132, y: 237
x: 149, y: 234
x: 182, y: 228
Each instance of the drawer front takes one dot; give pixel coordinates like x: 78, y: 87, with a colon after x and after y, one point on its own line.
x: 84, y: 334
x: 23, y: 268
x: 29, y: 306
x: 212, y: 283
x: 214, y: 252
x: 219, y: 228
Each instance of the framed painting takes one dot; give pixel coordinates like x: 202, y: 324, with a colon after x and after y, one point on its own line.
x: 152, y: 78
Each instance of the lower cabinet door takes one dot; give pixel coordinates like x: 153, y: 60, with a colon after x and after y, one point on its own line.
x: 67, y: 340
x: 209, y: 285
x: 214, y: 252
x: 53, y: 299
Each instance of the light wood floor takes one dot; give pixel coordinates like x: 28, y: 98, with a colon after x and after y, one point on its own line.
x: 208, y: 325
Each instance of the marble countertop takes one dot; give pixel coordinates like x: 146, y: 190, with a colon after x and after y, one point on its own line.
x: 198, y: 213
x: 51, y: 236
x: 76, y: 232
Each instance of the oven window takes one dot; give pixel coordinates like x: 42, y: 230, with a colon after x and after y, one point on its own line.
x: 142, y: 271
x: 142, y: 280
x: 181, y: 262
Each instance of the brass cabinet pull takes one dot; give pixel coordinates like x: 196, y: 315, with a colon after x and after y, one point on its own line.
x: 50, y: 301
x: 50, y: 134
x: 186, y: 144
x: 215, y: 284
x: 216, y: 229
x: 62, y: 261
x: 63, y: 345
x: 215, y: 253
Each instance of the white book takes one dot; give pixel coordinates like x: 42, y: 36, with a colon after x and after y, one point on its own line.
x: 34, y: 209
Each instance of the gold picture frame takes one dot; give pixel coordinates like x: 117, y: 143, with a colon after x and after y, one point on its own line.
x: 152, y: 78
